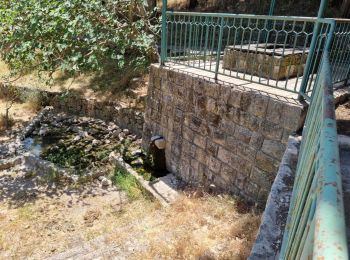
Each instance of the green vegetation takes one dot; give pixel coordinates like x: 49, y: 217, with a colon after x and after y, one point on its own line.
x: 129, y: 184
x: 75, y: 36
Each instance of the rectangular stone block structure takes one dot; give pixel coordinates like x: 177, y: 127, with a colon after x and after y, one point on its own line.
x: 218, y: 134
x: 265, y: 60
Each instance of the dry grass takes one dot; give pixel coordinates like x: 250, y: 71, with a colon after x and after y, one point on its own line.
x: 194, y: 228
x: 205, y: 228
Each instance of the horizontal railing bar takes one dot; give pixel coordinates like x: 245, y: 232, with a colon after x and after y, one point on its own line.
x: 252, y: 16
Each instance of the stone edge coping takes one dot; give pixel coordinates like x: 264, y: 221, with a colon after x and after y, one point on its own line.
x: 147, y: 185
x: 270, y: 234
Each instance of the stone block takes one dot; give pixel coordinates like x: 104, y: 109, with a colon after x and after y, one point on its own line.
x: 228, y: 127
x: 271, y: 130
x: 201, y: 156
x: 241, y: 165
x: 232, y: 144
x: 245, y: 151
x: 212, y: 148
x: 186, y: 147
x: 243, y: 134
x: 212, y: 105
x: 240, y: 180
x: 258, y: 105
x: 266, y: 162
x: 291, y: 116
x: 228, y: 174
x: 214, y: 164
x: 249, y: 121
x: 178, y: 115
x: 195, y: 123
x: 187, y: 133
x: 273, y: 148
x: 200, y: 141
x: 256, y: 140
x: 234, y: 99
x: 224, y: 155
x: 219, y: 136
x: 245, y: 101
x: 188, y: 82
x: 261, y: 178
x: 213, y: 119
x: 212, y: 89
x: 274, y: 111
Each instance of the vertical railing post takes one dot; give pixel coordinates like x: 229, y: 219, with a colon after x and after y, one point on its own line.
x: 272, y: 7
x: 163, y: 50
x: 310, y: 58
x: 218, y: 52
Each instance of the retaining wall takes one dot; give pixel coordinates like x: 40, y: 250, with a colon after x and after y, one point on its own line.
x: 123, y: 115
x: 219, y: 134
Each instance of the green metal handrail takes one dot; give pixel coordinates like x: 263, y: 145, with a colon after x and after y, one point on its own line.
x: 200, y: 40
x: 315, y: 226
x: 340, y: 52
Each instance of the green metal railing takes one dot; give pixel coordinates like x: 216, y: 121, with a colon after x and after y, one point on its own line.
x: 256, y: 44
x: 340, y: 52
x: 315, y: 227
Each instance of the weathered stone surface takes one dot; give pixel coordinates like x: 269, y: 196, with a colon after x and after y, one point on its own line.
x: 224, y: 155
x: 219, y: 134
x: 243, y: 134
x: 214, y: 164
x: 261, y: 178
x: 274, y: 111
x: 273, y: 148
x: 271, y: 130
x: 292, y: 116
x: 266, y: 163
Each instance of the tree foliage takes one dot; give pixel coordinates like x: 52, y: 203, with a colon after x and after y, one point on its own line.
x: 75, y: 35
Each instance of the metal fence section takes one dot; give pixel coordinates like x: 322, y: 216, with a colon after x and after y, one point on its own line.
x: 340, y: 52
x: 315, y: 227
x: 269, y: 50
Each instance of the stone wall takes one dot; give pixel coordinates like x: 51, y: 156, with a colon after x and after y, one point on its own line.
x: 123, y: 115
x: 219, y: 134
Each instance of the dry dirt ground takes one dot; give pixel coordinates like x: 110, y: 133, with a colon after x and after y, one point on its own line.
x: 39, y: 219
